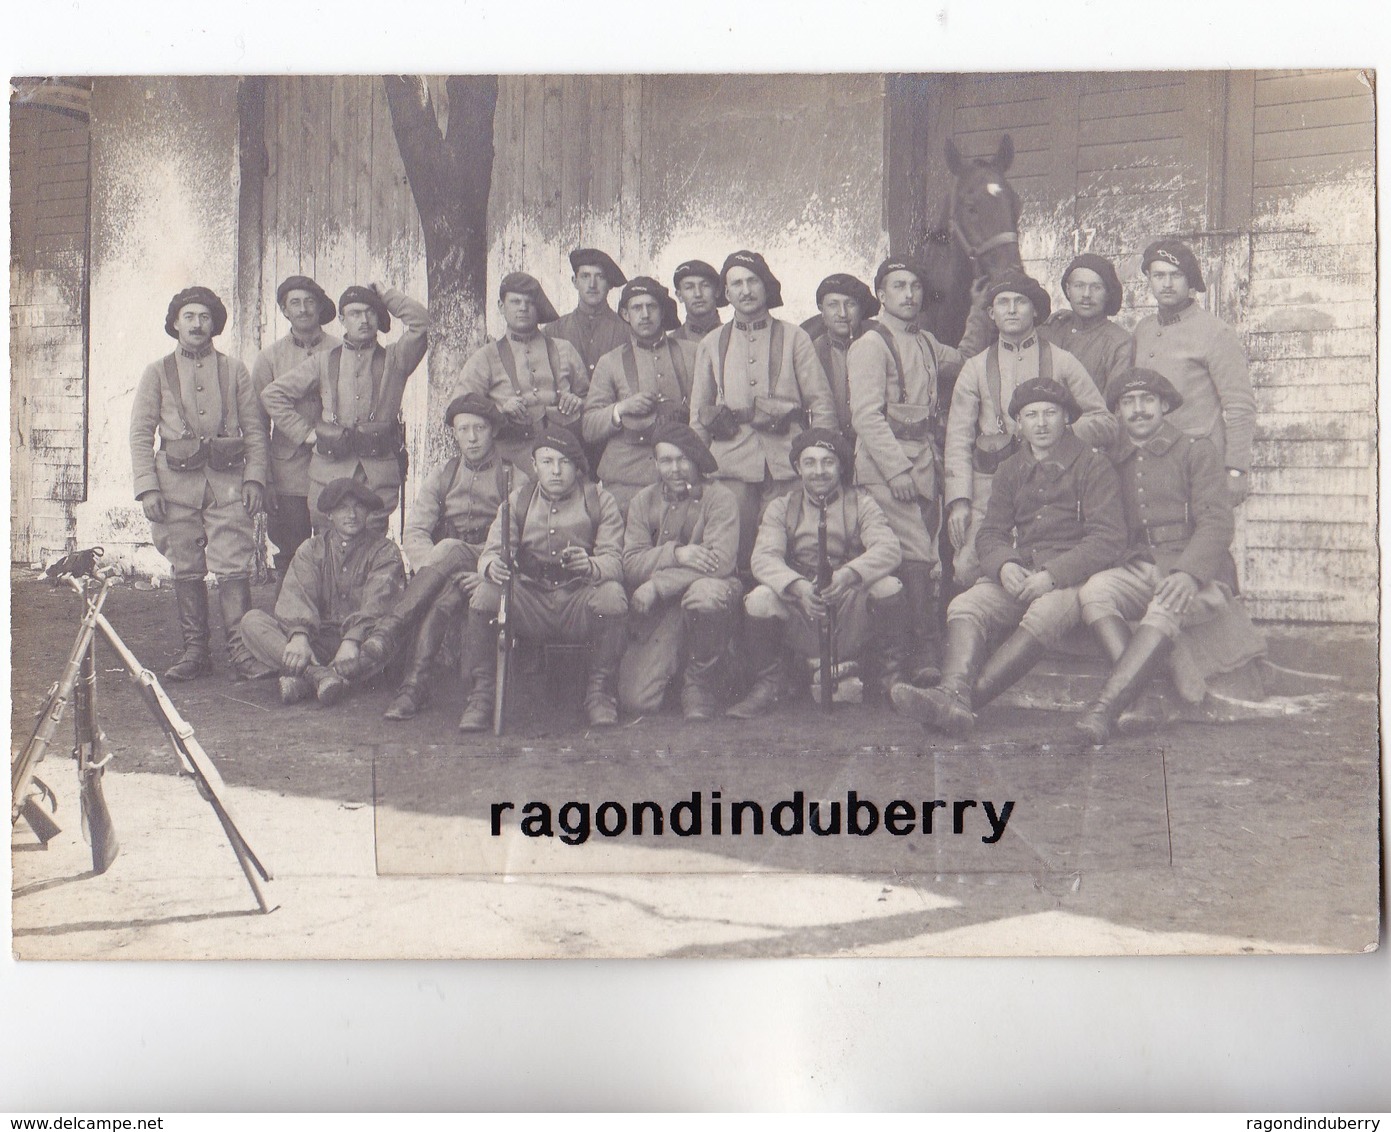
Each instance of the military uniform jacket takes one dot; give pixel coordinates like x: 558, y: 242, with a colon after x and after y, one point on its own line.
x: 830, y: 352
x: 593, y: 336
x: 538, y: 382
x: 465, y: 495
x: 352, y: 402
x: 1062, y: 515
x: 1177, y: 507
x: 553, y: 524
x: 289, y: 462
x: 746, y: 374
x: 1203, y: 358
x: 1103, y: 349
x: 661, y: 369
x: 155, y: 413
x: 348, y: 585
x: 658, y: 522
x: 857, y: 535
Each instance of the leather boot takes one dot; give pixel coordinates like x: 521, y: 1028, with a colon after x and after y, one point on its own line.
x: 1020, y: 652
x: 947, y: 707
x: 923, y: 613
x: 329, y: 687
x: 480, y: 664
x: 888, y: 645
x: 707, y: 635
x: 1147, y: 651
x: 605, y: 651
x: 437, y: 623
x: 191, y: 594
x: 764, y: 641
x: 388, y: 634
x: 295, y: 689
x: 234, y: 596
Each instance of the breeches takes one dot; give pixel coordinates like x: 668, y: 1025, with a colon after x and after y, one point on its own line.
x: 288, y: 526
x: 453, y: 556
x: 541, y: 612
x: 657, y: 649
x: 966, y: 564
x: 1128, y: 592
x: 916, y: 523
x: 801, y: 632
x: 753, y: 499
x: 216, y: 536
x: 989, y: 607
x: 265, y: 638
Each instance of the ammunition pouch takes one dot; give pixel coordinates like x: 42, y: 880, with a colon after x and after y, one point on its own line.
x: 719, y: 421
x: 775, y: 415
x: 909, y: 422
x: 551, y: 573
x: 186, y: 454
x: 333, y: 440
x: 447, y: 528
x: 376, y: 440
x: 991, y: 450
x: 227, y: 453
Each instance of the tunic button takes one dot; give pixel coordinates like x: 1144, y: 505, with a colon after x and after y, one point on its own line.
x: 202, y: 413
x: 200, y: 389
x: 753, y: 381
x: 552, y: 531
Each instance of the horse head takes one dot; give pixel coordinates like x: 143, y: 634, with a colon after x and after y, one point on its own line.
x: 983, y: 209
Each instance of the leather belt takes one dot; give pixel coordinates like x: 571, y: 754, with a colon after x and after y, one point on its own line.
x: 1159, y: 534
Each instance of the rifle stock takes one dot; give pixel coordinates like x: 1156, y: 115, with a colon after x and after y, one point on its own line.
x: 826, y: 628
x: 38, y: 819
x: 89, y: 752
x: 504, y: 629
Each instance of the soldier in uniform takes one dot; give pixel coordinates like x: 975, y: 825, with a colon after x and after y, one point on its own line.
x: 1178, y: 570
x: 202, y: 488
x: 1054, y: 519
x: 644, y: 381
x: 785, y: 608
x: 1203, y: 359
x: 536, y: 381
x: 979, y: 433
x: 1093, y: 290
x: 699, y: 288
x: 308, y: 310
x: 592, y: 327
x: 845, y: 304
x: 341, y: 581
x: 445, y: 533
x: 758, y: 383
x: 359, y: 385
x: 679, y: 547
x: 567, y: 541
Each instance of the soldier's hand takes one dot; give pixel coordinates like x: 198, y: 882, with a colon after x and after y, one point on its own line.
x: 252, y: 498
x: 902, y: 488
x: 843, y: 583
x: 1037, y: 584
x: 637, y: 405
x: 958, y: 522
x: 347, y: 651
x: 1237, y: 488
x: 979, y: 286
x: 1012, y: 578
x: 696, y: 557
x: 644, y: 598
x: 153, y: 504
x: 806, y: 597
x: 297, y: 655
x: 569, y: 404
x: 498, y: 572
x: 515, y: 408
x: 271, y: 500
x: 1176, y: 592
x: 467, y: 583
x: 576, y: 560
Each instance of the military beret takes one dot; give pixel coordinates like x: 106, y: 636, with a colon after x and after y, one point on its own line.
x: 754, y: 262
x: 851, y: 288
x: 1177, y: 254
x: 1040, y: 389
x: 345, y: 488
x: 520, y: 283
x: 203, y: 297
x: 829, y: 439
x: 684, y: 437
x: 327, y: 311
x: 1025, y: 285
x: 563, y: 441
x: 1141, y: 381
x: 646, y: 285
x: 475, y: 404
x: 359, y: 294
x: 898, y: 263
x: 701, y: 270
x: 593, y: 257
x: 1107, y: 270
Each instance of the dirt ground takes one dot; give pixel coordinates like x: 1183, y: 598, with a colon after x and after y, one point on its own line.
x: 1243, y: 837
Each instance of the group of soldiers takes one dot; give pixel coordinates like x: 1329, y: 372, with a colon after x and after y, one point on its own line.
x: 697, y: 500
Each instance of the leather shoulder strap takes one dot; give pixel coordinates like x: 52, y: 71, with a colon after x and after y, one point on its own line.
x: 509, y: 364
x: 888, y: 337
x: 992, y: 380
x: 171, y: 383
x: 726, y: 334
x: 329, y: 392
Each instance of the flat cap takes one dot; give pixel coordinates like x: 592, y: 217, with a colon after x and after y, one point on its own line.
x: 344, y: 488
x: 202, y: 296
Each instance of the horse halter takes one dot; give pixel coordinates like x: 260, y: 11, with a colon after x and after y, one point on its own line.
x: 975, y: 251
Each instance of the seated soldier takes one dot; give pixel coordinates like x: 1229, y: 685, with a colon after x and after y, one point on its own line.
x: 870, y: 609
x: 340, y: 583
x: 567, y: 547
x: 679, y: 550
x: 1179, y: 569
x: 1053, y: 520
x: 445, y: 533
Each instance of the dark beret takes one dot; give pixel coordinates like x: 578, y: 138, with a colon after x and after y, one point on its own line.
x: 563, y: 441
x: 852, y: 288
x: 346, y: 488
x: 202, y: 296
x: 358, y: 294
x: 520, y: 283
x: 898, y: 263
x: 825, y: 438
x: 327, y: 311
x: 1024, y: 285
x: 1177, y: 254
x: 1107, y: 270
x: 702, y: 270
x: 593, y: 257
x: 683, y: 436
x: 1040, y: 389
x: 476, y: 405
x: 753, y: 261
x: 646, y: 285
x: 1141, y: 381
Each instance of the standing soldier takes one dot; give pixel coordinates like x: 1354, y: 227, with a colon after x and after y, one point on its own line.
x: 845, y: 303
x: 567, y: 540
x: 1093, y: 290
x: 1202, y: 358
x: 757, y: 385
x: 643, y: 382
x: 786, y: 607
x: 699, y: 288
x: 202, y: 488
x: 592, y: 327
x: 679, y: 547
x: 308, y: 310
x: 533, y: 379
x: 358, y: 432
